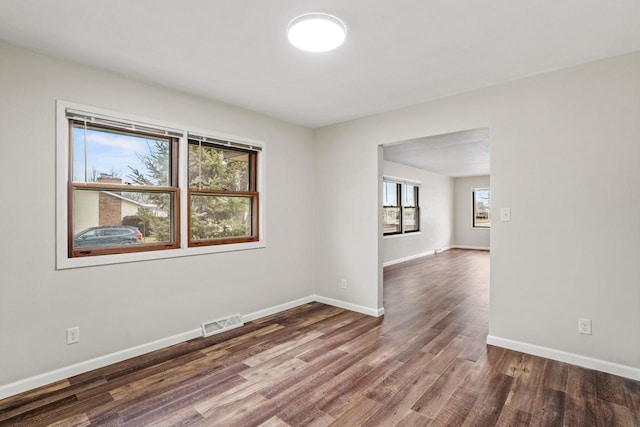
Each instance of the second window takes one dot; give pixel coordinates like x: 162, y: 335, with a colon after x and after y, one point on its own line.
x: 401, y: 206
x: 223, y: 196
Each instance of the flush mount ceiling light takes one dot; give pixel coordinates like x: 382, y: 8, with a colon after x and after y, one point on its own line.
x: 316, y: 32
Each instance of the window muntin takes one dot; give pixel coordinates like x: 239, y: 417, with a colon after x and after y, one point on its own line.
x: 121, y: 180
x: 401, y: 208
x: 481, y: 200
x: 223, y: 196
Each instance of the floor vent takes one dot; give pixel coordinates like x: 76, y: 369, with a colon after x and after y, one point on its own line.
x: 217, y: 326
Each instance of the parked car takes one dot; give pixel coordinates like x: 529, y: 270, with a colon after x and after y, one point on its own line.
x: 95, y: 237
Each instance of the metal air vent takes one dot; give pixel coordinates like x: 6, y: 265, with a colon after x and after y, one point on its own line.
x: 221, y: 325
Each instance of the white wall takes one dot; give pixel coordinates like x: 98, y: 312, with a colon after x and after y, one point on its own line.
x: 125, y: 305
x: 436, y: 214
x: 464, y: 233
x: 564, y: 157
x: 564, y: 154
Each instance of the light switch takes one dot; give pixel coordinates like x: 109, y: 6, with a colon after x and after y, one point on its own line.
x: 505, y: 214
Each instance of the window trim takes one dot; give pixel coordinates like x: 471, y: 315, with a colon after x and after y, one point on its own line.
x: 62, y: 183
x: 473, y: 209
x: 402, y: 183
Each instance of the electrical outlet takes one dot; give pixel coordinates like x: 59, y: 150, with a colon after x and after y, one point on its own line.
x: 73, y: 335
x: 584, y: 326
x: 343, y: 283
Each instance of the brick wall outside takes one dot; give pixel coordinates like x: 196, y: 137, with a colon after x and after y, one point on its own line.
x: 109, y: 207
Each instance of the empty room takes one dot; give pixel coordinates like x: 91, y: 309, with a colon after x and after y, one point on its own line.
x: 299, y: 213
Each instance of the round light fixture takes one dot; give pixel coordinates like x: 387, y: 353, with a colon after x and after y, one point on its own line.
x: 316, y: 32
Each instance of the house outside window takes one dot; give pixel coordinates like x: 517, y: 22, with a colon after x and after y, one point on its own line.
x: 401, y: 206
x: 481, y: 201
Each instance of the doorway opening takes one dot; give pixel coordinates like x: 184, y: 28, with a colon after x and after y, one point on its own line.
x: 434, y: 196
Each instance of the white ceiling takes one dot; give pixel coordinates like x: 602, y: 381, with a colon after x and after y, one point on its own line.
x: 397, y: 53
x: 455, y: 154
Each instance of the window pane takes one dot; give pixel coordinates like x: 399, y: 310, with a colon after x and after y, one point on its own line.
x: 101, y: 155
x: 482, y: 207
x: 390, y: 194
x: 410, y: 195
x: 215, y: 216
x: 216, y: 168
x: 110, y: 218
x: 391, y: 220
x: 411, y: 221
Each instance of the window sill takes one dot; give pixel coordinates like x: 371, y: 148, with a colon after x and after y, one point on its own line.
x: 395, y: 236
x: 63, y: 262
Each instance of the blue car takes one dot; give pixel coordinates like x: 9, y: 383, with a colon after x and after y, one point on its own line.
x: 95, y: 237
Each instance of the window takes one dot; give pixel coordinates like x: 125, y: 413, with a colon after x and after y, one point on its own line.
x: 223, y: 200
x: 123, y: 189
x: 138, y: 189
x: 392, y: 206
x: 481, y: 199
x: 401, y: 208
x: 410, y: 209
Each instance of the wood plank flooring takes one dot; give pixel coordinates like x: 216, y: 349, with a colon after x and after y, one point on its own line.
x: 425, y: 363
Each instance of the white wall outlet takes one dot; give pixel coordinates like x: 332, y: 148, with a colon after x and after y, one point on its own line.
x: 505, y: 214
x: 73, y: 335
x: 584, y: 326
x: 343, y: 283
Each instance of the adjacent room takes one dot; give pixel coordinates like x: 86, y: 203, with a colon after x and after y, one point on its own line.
x: 436, y: 195
x: 427, y: 216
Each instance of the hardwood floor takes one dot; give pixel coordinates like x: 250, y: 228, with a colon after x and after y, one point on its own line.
x: 425, y: 363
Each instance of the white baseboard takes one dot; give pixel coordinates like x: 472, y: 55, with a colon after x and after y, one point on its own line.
x: 91, y: 364
x: 409, y: 258
x: 50, y: 377
x: 351, y: 307
x: 477, y: 248
x: 563, y: 356
x: 277, y: 308
x: 420, y: 255
x: 446, y: 248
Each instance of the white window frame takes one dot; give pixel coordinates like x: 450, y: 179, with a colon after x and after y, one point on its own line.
x: 403, y: 182
x: 63, y: 261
